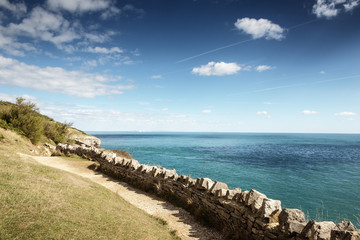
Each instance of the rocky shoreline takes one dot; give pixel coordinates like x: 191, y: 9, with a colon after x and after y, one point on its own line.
x: 237, y: 214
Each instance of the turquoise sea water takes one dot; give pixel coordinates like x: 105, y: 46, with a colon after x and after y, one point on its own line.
x: 317, y: 173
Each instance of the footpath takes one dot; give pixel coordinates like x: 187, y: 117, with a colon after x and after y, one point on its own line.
x: 177, y: 218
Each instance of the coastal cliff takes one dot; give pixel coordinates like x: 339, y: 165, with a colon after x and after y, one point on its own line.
x: 237, y: 214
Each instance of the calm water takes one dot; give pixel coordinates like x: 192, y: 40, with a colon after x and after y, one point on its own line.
x: 317, y: 173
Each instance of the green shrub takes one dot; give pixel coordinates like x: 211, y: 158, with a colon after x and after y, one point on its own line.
x: 24, y: 118
x: 56, y: 131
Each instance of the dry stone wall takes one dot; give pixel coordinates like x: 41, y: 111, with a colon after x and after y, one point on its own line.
x: 237, y: 214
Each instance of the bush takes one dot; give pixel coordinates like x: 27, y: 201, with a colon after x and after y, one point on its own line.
x: 24, y: 117
x: 56, y: 131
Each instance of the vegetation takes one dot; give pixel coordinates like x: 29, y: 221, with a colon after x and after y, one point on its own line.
x: 25, y: 119
x: 39, y: 202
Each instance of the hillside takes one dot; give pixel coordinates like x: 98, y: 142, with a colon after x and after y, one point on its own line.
x: 39, y: 202
x: 25, y: 119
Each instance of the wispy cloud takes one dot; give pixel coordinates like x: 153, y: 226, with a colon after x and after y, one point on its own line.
x: 16, y: 8
x: 79, y: 6
x: 322, y: 72
x: 262, y: 113
x: 206, y: 111
x: 260, y: 28
x: 345, y: 114
x: 331, y: 8
x: 103, y: 50
x: 262, y: 68
x: 58, y: 80
x: 309, y: 112
x: 156, y: 76
x: 217, y: 69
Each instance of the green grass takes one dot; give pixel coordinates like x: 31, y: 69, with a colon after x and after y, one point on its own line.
x: 38, y: 202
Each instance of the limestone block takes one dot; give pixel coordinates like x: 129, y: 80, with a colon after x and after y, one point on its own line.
x: 204, y: 183
x: 318, y: 230
x: 134, y: 164
x: 117, y: 160
x: 291, y: 215
x: 233, y: 194
x: 155, y: 171
x: 269, y: 207
x: 191, y: 182
x: 292, y: 221
x: 346, y: 226
x: 337, y: 234
x: 254, y: 200
x: 217, y: 186
x: 243, y: 197
x: 221, y: 193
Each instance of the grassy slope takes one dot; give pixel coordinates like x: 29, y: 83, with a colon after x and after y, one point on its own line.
x: 38, y: 202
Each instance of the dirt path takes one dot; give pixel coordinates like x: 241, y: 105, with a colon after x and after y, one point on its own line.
x: 177, y: 218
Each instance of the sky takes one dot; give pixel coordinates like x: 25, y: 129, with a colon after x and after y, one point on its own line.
x: 186, y: 65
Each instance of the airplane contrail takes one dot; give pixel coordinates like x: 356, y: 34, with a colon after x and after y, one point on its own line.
x: 306, y: 84
x: 238, y: 43
x: 214, y: 50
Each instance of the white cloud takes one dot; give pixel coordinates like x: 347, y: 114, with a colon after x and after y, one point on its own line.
x: 262, y: 68
x: 43, y: 25
x: 322, y: 72
x: 262, y: 113
x: 156, y: 77
x: 260, y: 28
x: 90, y: 64
x: 206, y: 111
x: 46, y: 26
x: 217, y: 69
x: 165, y: 109
x: 16, y: 8
x: 345, y: 114
x: 104, y: 50
x: 309, y: 112
x: 350, y: 5
x: 331, y: 8
x: 79, y: 5
x: 58, y: 80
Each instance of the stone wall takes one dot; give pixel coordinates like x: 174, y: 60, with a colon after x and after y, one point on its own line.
x: 237, y: 214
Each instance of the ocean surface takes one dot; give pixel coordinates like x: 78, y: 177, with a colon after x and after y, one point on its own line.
x: 317, y: 173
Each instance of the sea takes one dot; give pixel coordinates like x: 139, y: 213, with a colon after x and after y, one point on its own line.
x: 316, y: 173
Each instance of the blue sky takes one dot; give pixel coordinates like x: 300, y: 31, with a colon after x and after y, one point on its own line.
x: 182, y: 65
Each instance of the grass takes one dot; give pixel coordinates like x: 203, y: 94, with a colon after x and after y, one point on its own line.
x: 39, y: 202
